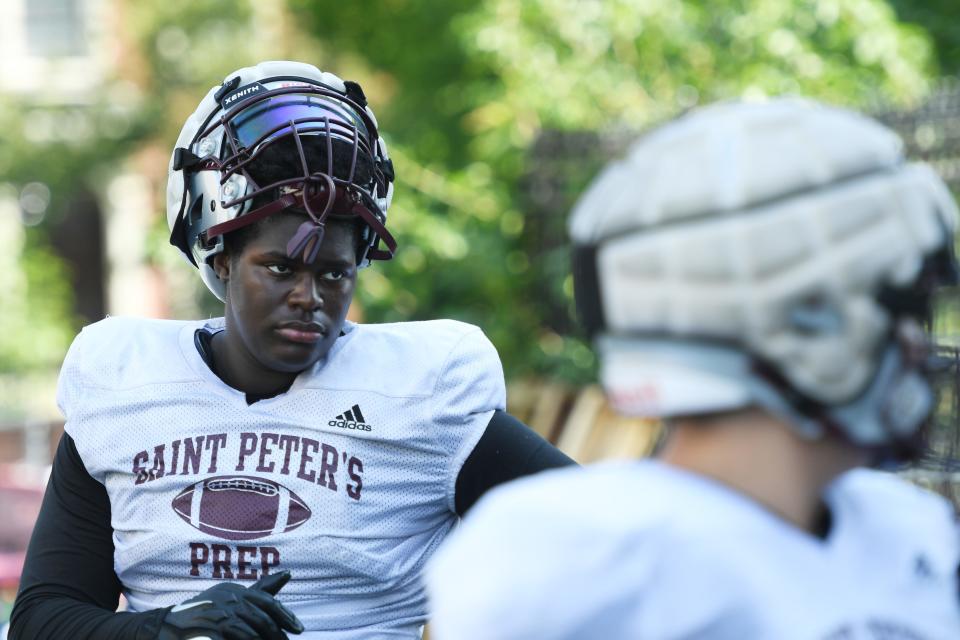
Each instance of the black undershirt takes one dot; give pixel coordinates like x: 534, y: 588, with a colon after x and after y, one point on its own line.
x: 68, y: 588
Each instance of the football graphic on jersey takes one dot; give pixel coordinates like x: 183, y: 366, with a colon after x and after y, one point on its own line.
x: 240, y: 507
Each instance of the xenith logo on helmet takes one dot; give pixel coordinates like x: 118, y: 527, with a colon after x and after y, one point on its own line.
x: 351, y: 419
x: 243, y: 92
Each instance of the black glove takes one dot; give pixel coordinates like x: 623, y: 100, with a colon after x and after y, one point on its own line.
x: 230, y: 611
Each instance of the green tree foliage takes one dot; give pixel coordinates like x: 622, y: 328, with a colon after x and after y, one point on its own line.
x: 939, y: 19
x: 475, y: 84
x: 569, y: 64
x: 464, y: 89
x: 35, y: 326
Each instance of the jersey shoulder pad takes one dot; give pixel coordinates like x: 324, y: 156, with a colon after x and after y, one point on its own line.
x: 412, y: 359
x: 873, y: 504
x: 119, y: 353
x: 882, y: 494
x: 546, y: 532
x: 605, y: 499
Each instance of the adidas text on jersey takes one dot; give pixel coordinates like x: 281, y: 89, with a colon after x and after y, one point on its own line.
x: 352, y: 418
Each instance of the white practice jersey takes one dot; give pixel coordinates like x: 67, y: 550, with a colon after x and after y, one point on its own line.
x: 641, y: 550
x: 347, y: 479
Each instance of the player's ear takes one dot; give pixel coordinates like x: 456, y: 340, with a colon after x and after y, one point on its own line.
x: 221, y: 265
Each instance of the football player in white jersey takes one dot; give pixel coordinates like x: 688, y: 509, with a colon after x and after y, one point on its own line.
x: 758, y: 275
x: 208, y: 464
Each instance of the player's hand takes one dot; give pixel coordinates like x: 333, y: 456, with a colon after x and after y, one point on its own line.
x: 229, y: 611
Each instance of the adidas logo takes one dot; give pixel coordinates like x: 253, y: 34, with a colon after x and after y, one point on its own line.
x: 351, y: 419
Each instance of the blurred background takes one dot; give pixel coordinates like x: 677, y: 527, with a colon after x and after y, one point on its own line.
x: 496, y: 112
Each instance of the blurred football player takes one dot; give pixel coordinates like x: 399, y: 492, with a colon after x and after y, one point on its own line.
x: 758, y: 275
x: 280, y: 444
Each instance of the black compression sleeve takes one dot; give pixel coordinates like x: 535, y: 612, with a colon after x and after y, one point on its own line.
x: 508, y: 449
x: 68, y: 588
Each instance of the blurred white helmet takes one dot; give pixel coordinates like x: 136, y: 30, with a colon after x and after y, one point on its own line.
x: 776, y: 254
x: 301, y: 121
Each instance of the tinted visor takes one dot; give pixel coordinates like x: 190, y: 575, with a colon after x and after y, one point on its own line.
x: 277, y: 116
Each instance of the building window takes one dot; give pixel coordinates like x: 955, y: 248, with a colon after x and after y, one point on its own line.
x: 56, y: 28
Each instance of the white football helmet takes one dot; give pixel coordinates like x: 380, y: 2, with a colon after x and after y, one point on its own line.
x: 779, y: 254
x: 210, y: 190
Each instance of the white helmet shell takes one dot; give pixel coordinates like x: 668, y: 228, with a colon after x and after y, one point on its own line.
x: 765, y: 229
x: 196, y: 198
